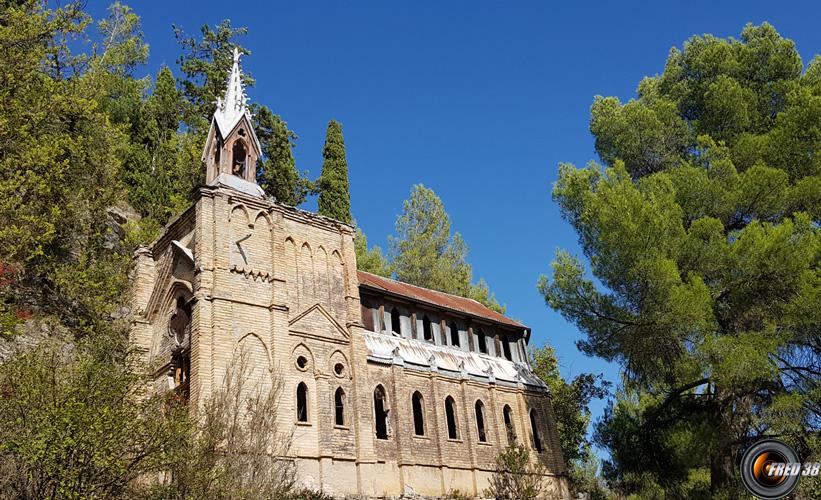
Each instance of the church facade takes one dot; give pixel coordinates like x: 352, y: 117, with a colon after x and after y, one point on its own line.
x: 387, y: 387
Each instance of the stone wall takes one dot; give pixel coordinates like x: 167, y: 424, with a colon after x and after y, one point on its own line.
x: 279, y: 286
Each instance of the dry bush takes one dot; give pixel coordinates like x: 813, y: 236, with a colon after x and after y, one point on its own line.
x: 236, y: 450
x: 517, y: 477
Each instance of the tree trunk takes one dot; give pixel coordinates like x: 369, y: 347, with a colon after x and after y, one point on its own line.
x: 731, y: 414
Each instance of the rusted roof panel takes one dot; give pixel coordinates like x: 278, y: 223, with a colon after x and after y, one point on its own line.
x: 434, y: 298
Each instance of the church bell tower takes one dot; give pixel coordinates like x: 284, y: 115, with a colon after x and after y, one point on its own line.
x: 232, y: 147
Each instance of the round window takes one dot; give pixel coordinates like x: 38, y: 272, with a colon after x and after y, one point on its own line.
x: 339, y: 369
x: 302, y: 362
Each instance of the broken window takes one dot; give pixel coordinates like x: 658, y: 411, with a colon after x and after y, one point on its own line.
x: 482, y: 341
x: 454, y: 335
x: 450, y: 414
x: 418, y: 414
x: 395, y: 326
x: 302, y: 402
x: 506, y: 348
x: 426, y: 329
x: 179, y: 328
x: 380, y: 412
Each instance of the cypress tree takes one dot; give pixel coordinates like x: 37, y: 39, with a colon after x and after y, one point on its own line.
x: 278, y: 176
x: 334, y: 198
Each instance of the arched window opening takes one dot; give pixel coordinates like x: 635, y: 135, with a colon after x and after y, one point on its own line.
x: 395, y: 325
x: 426, y: 329
x: 450, y: 415
x: 179, y: 328
x: 482, y: 341
x: 418, y: 414
x: 380, y: 407
x: 454, y: 335
x: 506, y: 348
x: 480, y: 421
x: 238, y: 159
x: 302, y: 402
x: 339, y: 405
x: 509, y: 431
x: 534, y: 428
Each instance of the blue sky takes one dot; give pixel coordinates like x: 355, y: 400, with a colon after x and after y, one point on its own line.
x: 478, y: 100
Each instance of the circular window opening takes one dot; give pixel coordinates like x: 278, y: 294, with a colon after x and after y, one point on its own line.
x: 302, y: 362
x: 339, y: 369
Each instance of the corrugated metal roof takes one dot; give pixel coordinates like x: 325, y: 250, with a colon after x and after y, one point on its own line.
x: 389, y: 349
x: 434, y: 298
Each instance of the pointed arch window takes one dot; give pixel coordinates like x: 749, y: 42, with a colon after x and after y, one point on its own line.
x: 339, y: 407
x: 480, y: 421
x: 454, y: 335
x: 427, y: 332
x: 179, y: 329
x: 450, y: 416
x: 302, y: 402
x: 534, y: 428
x: 239, y: 157
x: 510, y: 432
x: 380, y: 410
x: 418, y: 404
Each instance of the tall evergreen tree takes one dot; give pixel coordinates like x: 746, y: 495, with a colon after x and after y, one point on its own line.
x: 334, y: 197
x: 205, y: 63
x: 425, y: 253
x: 703, y: 230
x: 277, y: 174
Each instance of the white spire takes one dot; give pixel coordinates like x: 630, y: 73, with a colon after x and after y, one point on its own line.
x: 234, y: 105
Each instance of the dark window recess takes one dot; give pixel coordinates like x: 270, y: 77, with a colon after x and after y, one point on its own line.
x: 180, y: 329
x: 450, y: 413
x: 339, y: 404
x: 395, y: 324
x: 506, y: 348
x: 239, y: 159
x: 511, y: 433
x: 380, y: 413
x: 302, y: 402
x: 418, y: 414
x: 302, y: 362
x: 537, y: 442
x: 480, y: 421
x: 482, y: 341
x: 426, y: 329
x: 454, y: 335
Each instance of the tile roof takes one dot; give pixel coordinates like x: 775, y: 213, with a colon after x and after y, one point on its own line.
x: 443, y: 300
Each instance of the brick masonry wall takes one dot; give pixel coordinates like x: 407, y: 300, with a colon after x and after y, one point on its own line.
x: 275, y: 283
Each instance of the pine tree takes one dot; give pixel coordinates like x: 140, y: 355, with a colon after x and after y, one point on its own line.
x: 205, y: 64
x: 702, y: 233
x: 278, y: 175
x: 370, y: 260
x: 334, y: 198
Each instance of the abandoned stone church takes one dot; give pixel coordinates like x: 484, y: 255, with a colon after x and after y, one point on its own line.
x: 388, y: 387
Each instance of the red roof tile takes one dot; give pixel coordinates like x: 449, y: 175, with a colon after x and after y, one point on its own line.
x: 435, y: 298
